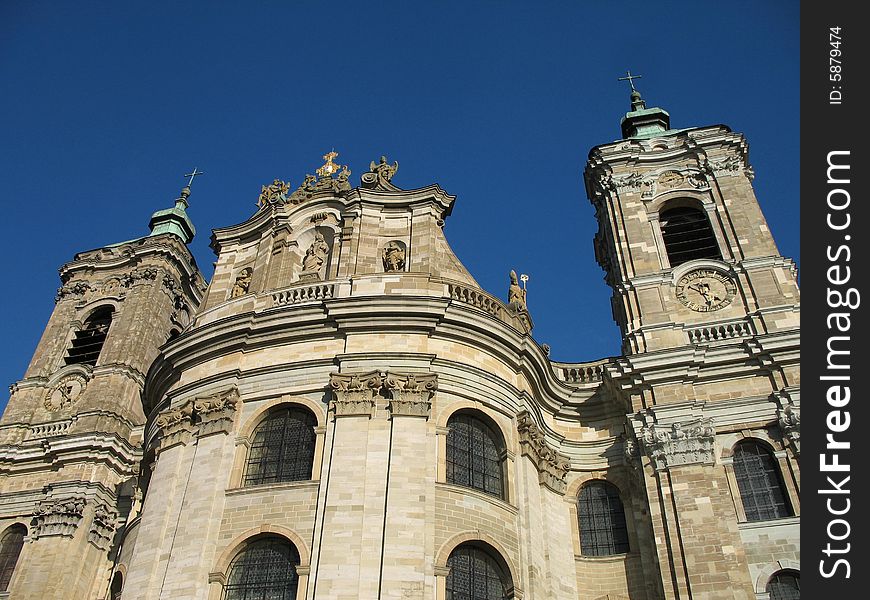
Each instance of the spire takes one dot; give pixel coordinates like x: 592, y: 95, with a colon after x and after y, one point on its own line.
x: 175, y: 220
x: 642, y: 121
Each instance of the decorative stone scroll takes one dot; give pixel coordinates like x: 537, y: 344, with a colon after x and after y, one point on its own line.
x: 102, y: 527
x: 411, y: 395
x: 57, y: 516
x: 790, y: 423
x: 679, y: 444
x: 552, y: 465
x: 354, y: 395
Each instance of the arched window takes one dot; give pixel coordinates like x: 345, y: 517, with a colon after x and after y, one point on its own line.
x: 10, y: 547
x: 759, y: 482
x: 475, y: 454
x: 688, y: 235
x: 117, y: 586
x: 88, y: 341
x: 601, y: 520
x: 283, y: 447
x: 265, y: 569
x: 476, y: 574
x: 785, y: 585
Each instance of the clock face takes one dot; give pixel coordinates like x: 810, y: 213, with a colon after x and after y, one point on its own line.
x: 65, y: 392
x: 705, y: 290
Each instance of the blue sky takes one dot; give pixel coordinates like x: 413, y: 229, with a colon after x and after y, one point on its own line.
x: 106, y: 105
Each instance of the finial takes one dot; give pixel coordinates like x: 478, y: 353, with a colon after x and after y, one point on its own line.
x: 185, y: 191
x: 328, y: 167
x: 637, y: 102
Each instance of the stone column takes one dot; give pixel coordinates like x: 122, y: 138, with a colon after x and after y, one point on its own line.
x: 347, y: 561
x: 693, y: 516
x: 411, y: 476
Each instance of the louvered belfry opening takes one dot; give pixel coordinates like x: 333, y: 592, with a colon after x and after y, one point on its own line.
x: 688, y: 235
x: 88, y: 341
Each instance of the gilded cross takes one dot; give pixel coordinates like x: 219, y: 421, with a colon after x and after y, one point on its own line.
x: 192, y: 175
x: 629, y: 79
x: 329, y: 167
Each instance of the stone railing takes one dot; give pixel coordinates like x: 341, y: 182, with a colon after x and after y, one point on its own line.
x: 723, y: 331
x: 307, y: 293
x: 477, y: 298
x: 53, y: 429
x: 591, y: 372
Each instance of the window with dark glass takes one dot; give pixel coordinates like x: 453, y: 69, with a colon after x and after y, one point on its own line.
x: 264, y: 570
x: 475, y: 574
x: 474, y: 454
x: 758, y: 479
x: 785, y: 585
x: 117, y: 587
x: 88, y: 341
x: 688, y: 235
x: 282, y: 448
x: 10, y: 548
x: 601, y: 519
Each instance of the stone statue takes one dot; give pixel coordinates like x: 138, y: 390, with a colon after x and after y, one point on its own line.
x: 516, y: 294
x: 274, y: 193
x: 243, y: 282
x: 394, y: 257
x: 383, y: 169
x: 315, y: 256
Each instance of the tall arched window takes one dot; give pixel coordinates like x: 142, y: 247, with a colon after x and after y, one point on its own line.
x: 88, y: 341
x: 475, y: 454
x: 785, y: 585
x: 282, y: 448
x: 117, y: 586
x: 688, y: 235
x: 265, y: 569
x: 759, y: 482
x: 601, y: 520
x: 476, y: 574
x: 10, y: 548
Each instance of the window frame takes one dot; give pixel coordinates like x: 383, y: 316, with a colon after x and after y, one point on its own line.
x: 495, y: 435
x: 620, y: 546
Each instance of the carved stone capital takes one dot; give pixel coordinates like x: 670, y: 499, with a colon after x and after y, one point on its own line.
x: 552, y: 465
x: 102, y: 526
x: 354, y: 394
x: 678, y: 444
x: 411, y: 394
x: 790, y: 423
x: 216, y: 413
x: 57, y: 517
x: 175, y: 425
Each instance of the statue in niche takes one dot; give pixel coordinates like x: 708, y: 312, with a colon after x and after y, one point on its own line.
x: 315, y: 256
x: 242, y: 283
x: 516, y: 294
x: 394, y: 257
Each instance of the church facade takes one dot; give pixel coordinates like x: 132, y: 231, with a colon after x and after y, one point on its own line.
x: 342, y: 412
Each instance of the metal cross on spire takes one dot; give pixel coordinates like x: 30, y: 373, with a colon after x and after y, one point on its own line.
x: 192, y: 175
x: 629, y: 79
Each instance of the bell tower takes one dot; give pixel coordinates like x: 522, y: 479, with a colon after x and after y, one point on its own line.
x: 70, y: 438
x: 681, y: 238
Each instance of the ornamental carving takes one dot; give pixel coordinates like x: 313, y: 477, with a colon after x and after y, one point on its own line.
x: 380, y: 175
x: 730, y: 165
x: 552, y: 465
x: 354, y: 395
x: 139, y: 275
x: 65, y: 392
x: 315, y: 258
x: 679, y: 444
x: 57, y: 517
x: 102, y: 527
x: 274, y: 193
x: 175, y: 425
x: 411, y: 394
x: 75, y: 288
x: 790, y: 423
